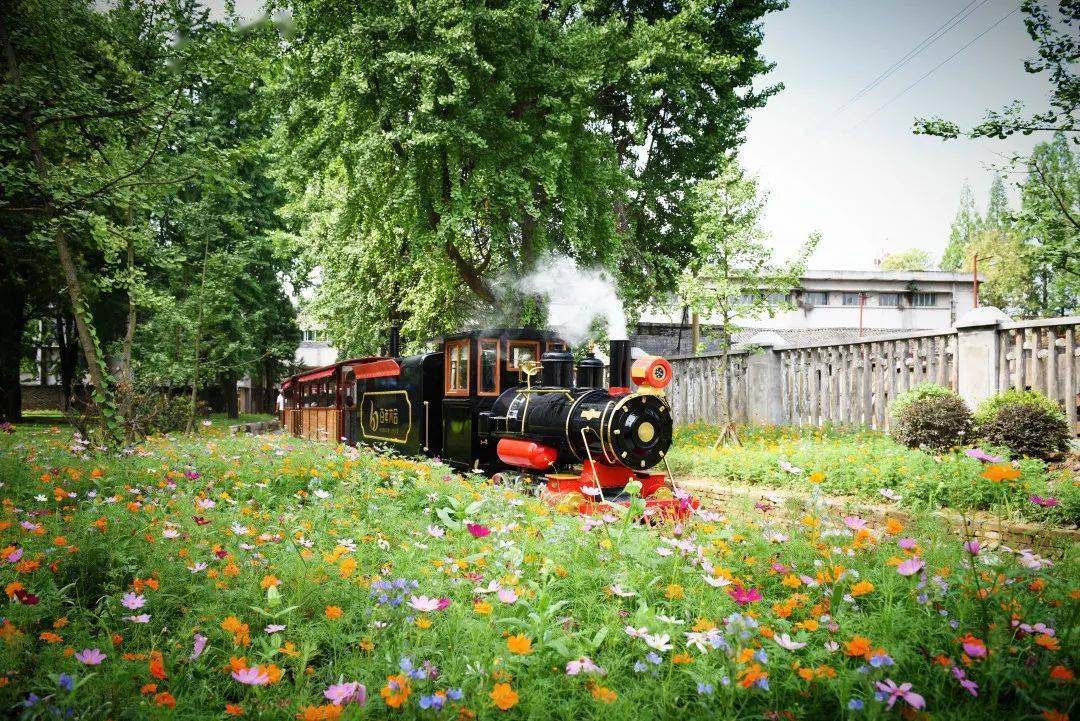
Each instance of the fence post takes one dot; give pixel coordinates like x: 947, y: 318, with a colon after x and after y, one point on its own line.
x: 764, y: 383
x: 977, y: 353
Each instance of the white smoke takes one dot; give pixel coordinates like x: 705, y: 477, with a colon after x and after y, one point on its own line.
x: 575, y: 297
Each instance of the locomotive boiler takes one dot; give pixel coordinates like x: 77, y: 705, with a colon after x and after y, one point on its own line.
x: 507, y: 402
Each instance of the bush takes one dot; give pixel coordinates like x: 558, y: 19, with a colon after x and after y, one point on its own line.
x: 1027, y: 430
x: 989, y: 408
x: 930, y: 416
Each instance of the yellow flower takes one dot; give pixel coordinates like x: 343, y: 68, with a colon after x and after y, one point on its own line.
x: 482, y: 607
x: 519, y: 644
x: 674, y: 592
x: 503, y: 696
x: 817, y: 477
x: 861, y: 588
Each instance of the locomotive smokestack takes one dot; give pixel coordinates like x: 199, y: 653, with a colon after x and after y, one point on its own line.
x: 619, y: 362
x: 393, y: 349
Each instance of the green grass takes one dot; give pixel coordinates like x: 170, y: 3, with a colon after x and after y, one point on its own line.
x: 221, y: 420
x: 220, y: 537
x: 863, y: 463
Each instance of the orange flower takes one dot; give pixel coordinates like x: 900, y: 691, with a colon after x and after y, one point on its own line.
x: 682, y: 658
x: 1061, y: 673
x: 1001, y: 472
x: 157, y: 665
x: 791, y: 581
x: 674, y: 592
x: 50, y: 637
x: 482, y: 607
x: 604, y: 694
x: 269, y: 581
x: 751, y: 675
x: 97, y: 473
x: 333, y: 612
x: 326, y: 712
x: 893, y: 526
x: 809, y: 624
x: 519, y: 644
x: 148, y: 688
x: 816, y: 477
x: 165, y: 699
x: 234, y: 709
x: 858, y: 646
x: 1055, y: 715
x: 239, y: 630
x: 396, y: 690
x: 503, y: 696
x: 861, y: 588
x: 1048, y: 642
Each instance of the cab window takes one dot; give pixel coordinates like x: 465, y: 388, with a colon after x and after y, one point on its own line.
x: 520, y: 351
x: 457, y: 367
x: 487, y: 380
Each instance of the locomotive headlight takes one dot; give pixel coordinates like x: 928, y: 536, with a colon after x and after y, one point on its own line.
x: 651, y: 372
x: 646, y: 432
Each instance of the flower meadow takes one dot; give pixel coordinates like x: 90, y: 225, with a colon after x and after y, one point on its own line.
x: 267, y: 577
x: 871, y: 466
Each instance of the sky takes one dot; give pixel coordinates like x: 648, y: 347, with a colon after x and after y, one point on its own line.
x: 860, y: 176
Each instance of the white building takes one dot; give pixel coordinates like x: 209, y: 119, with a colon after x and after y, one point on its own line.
x: 833, y: 305
x: 315, y: 349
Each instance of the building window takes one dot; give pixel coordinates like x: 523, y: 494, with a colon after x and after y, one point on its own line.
x: 777, y: 297
x: 815, y: 297
x: 457, y: 367
x: 888, y: 300
x: 521, y: 351
x: 924, y: 300
x: 487, y: 380
x: 851, y: 298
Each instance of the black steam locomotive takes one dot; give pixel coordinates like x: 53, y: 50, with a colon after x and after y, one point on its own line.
x: 509, y: 401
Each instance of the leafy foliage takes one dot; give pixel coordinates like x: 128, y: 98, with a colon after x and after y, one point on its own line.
x: 914, y: 259
x: 1026, y: 422
x: 930, y: 416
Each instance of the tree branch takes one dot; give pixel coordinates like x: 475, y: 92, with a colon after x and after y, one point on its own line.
x: 1057, y: 198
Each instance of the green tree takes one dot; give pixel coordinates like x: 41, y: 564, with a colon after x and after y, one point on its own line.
x: 1003, y: 263
x: 914, y: 259
x: 734, y: 276
x: 1049, y: 220
x: 965, y: 226
x: 440, y: 146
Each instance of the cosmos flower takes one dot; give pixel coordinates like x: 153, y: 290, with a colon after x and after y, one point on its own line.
x: 340, y: 694
x: 659, y: 641
x: 743, y: 596
x: 200, y: 646
x: 1045, y: 502
x: 784, y: 641
x: 981, y: 455
x: 424, y: 604
x: 507, y: 595
x: 477, y: 530
x: 251, y: 676
x: 911, y: 566
x: 584, y: 664
x: 973, y: 547
x: 90, y: 656
x: 889, y: 692
x: 133, y: 601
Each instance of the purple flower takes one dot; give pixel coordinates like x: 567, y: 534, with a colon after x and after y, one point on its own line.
x: 340, y: 694
x: 981, y: 455
x: 253, y: 676
x: 890, y: 692
x: 906, y: 543
x: 66, y: 682
x: 200, y: 645
x: 274, y: 628
x: 583, y: 664
x: 90, y: 656
x: 911, y: 566
x: 972, y: 547
x: 1046, y: 502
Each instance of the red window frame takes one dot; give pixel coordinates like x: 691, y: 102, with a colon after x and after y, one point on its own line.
x: 510, y: 351
x: 448, y: 365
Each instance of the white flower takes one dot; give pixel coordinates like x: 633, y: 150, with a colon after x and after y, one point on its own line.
x: 320, y: 493
x: 784, y: 641
x: 436, y: 531
x: 659, y: 641
x: 617, y: 590
x: 669, y: 619
x: 636, y: 632
x: 790, y: 468
x: 716, y: 582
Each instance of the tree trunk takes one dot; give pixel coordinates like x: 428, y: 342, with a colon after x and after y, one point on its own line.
x: 198, y: 342
x: 695, y: 333
x: 68, y: 355
x: 43, y: 352
x: 12, y: 327
x: 126, y: 376
x: 67, y: 262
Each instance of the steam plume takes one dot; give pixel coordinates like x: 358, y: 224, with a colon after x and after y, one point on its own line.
x: 575, y: 297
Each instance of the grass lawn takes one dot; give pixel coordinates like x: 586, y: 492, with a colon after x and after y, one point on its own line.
x: 274, y: 578
x: 871, y: 466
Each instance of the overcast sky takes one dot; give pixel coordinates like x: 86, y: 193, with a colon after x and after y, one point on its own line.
x: 860, y: 176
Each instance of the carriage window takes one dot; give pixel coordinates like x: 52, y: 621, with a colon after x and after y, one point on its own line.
x: 521, y: 351
x: 557, y: 345
x: 488, y: 372
x: 457, y: 367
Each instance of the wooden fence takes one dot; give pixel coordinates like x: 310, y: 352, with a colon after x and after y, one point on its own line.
x: 1042, y: 355
x: 694, y: 390
x: 854, y: 383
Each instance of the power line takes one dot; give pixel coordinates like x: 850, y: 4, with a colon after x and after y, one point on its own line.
x: 932, y: 70
x: 925, y: 43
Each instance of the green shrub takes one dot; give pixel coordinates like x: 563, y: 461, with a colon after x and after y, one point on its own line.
x: 989, y: 408
x: 932, y: 417
x: 1027, y: 430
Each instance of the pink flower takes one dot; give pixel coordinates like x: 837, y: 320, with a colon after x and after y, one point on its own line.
x: 906, y: 543
x: 424, y: 604
x: 786, y: 642
x: 1040, y: 501
x: 507, y: 595
x: 582, y: 665
x: 274, y: 628
x: 15, y: 555
x: 972, y: 547
x: 443, y: 603
x: 340, y: 694
x: 477, y: 530
x: 141, y: 618
x: 981, y: 455
x: 90, y: 656
x: 744, y: 596
x: 890, y: 692
x: 133, y: 601
x: 854, y: 523
x: 911, y: 566
x: 200, y: 645
x: 253, y: 676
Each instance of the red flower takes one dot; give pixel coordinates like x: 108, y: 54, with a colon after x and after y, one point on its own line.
x: 477, y: 530
x: 744, y: 596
